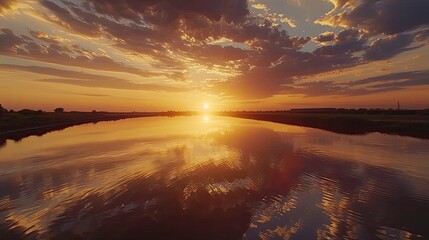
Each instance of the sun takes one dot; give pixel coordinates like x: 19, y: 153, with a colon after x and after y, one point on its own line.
x: 206, y: 106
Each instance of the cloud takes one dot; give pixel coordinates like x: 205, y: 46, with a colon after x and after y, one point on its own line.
x: 347, y: 41
x: 183, y: 36
x: 260, y: 6
x: 395, y: 80
x: 9, y: 42
x: 6, y: 5
x: 55, y: 52
x: 289, y: 21
x: 46, y: 37
x: 376, y: 17
x: 87, y: 80
x: 383, y: 83
x: 325, y: 37
x: 168, y: 12
x: 259, y: 57
x: 385, y: 48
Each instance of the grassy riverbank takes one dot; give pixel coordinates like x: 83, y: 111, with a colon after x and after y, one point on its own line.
x: 18, y: 122
x: 414, y: 123
x: 17, y: 126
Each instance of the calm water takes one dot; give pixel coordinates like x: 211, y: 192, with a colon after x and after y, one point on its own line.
x: 212, y: 178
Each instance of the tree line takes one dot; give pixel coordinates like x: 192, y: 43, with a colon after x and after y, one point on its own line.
x: 28, y: 111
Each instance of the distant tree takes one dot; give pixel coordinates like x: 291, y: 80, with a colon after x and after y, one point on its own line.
x: 30, y: 112
x: 94, y: 111
x: 59, y: 110
x: 2, y: 109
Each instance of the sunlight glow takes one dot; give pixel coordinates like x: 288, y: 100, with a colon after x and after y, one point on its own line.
x: 206, y: 106
x: 206, y: 118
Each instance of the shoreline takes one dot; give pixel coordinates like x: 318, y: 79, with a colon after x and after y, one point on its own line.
x: 22, y: 126
x: 410, y: 125
x: 15, y: 126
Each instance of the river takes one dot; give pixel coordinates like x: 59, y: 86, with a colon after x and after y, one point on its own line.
x: 211, y: 177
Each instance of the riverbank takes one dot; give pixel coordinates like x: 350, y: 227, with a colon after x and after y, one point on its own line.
x: 16, y: 126
x: 405, y: 123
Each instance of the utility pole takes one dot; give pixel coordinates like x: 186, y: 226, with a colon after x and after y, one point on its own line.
x: 398, y: 106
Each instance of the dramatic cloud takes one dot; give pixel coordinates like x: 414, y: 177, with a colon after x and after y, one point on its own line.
x: 381, y: 16
x: 346, y: 42
x: 388, y: 47
x: 86, y: 79
x: 170, y: 11
x: 9, y: 42
x: 6, y: 5
x: 395, y: 80
x: 383, y: 83
x: 325, y: 37
x: 55, y: 52
x: 241, y: 46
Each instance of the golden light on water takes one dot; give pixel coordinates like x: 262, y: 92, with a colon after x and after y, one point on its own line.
x: 206, y: 118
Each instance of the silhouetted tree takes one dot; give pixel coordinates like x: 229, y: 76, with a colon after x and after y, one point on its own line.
x: 58, y: 110
x: 30, y: 112
x: 2, y: 109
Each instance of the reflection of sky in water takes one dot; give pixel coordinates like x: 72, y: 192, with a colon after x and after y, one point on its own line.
x: 272, y: 180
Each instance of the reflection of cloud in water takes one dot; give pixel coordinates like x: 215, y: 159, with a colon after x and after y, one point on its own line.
x: 233, y: 179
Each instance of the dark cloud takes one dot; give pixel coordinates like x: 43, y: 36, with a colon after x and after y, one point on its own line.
x: 383, y: 83
x: 381, y: 16
x: 385, y: 48
x: 135, y: 37
x: 216, y: 54
x: 170, y: 11
x: 9, y: 41
x: 423, y: 36
x: 401, y: 79
x: 345, y: 42
x: 325, y: 37
x: 6, y: 5
x: 87, y: 80
x: 67, y: 20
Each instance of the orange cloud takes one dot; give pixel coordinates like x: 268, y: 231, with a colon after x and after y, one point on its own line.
x: 6, y: 5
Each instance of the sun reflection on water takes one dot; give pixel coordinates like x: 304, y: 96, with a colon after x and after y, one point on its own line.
x: 206, y: 118
x: 263, y: 177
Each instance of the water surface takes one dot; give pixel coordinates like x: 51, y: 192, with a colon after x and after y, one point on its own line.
x: 212, y: 178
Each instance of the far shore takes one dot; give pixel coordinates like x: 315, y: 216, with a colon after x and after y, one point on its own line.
x: 413, y: 123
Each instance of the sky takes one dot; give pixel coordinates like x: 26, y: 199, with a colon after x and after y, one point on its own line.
x: 159, y: 55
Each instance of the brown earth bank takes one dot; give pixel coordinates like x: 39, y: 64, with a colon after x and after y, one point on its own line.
x: 413, y: 123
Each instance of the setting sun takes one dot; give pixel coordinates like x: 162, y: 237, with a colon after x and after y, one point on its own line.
x: 206, y: 106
